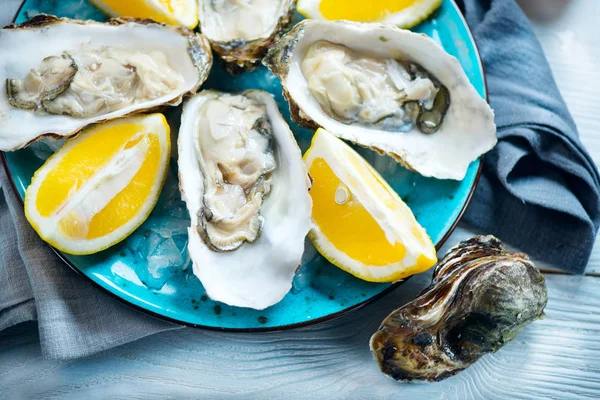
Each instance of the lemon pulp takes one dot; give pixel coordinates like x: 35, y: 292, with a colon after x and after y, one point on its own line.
x: 101, y: 185
x: 174, y: 12
x: 347, y: 223
x: 359, y: 10
x: 361, y: 224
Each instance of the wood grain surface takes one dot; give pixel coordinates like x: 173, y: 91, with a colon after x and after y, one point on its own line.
x: 571, y: 44
x: 554, y: 358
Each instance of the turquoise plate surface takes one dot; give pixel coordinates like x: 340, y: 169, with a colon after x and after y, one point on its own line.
x: 151, y: 271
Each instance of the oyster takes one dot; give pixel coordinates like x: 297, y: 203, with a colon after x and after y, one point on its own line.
x: 237, y: 162
x: 88, y: 82
x: 480, y: 298
x: 62, y: 75
x: 246, y: 189
x: 386, y: 89
x: 241, y: 31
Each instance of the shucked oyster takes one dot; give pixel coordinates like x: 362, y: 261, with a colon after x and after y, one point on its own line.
x: 61, y: 75
x: 480, y: 298
x: 392, y: 95
x: 246, y: 189
x: 241, y: 31
x: 88, y: 82
x: 237, y: 160
x: 387, y: 89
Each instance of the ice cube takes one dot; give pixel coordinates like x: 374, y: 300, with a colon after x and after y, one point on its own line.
x: 45, y: 147
x: 301, y: 280
x: 166, y: 255
x: 162, y: 261
x: 167, y: 227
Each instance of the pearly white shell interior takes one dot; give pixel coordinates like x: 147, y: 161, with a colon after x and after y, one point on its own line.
x: 259, y: 274
x: 468, y: 129
x: 23, y: 49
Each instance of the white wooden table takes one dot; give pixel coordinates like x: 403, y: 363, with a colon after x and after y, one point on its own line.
x: 557, y: 357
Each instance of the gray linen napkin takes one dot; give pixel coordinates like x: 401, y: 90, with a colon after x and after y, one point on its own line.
x: 540, y: 189
x: 75, y: 319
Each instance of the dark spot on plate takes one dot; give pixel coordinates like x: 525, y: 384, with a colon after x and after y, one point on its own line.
x: 218, y: 310
x: 204, y: 298
x: 195, y: 307
x: 262, y: 320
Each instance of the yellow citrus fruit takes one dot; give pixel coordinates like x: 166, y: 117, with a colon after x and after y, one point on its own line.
x: 360, y: 223
x: 101, y: 185
x: 403, y: 13
x: 174, y: 12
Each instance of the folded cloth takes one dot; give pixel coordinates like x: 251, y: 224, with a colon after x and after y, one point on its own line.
x: 539, y: 190
x: 75, y: 319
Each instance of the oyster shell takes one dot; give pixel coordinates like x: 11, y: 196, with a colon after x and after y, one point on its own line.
x: 386, y: 89
x: 246, y: 189
x: 241, y: 31
x: 480, y: 298
x: 62, y: 75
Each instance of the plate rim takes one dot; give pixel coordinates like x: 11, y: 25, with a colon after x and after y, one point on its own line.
x: 285, y: 327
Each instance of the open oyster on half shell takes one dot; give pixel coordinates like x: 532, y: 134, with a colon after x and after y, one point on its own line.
x: 246, y: 188
x: 388, y: 89
x: 242, y: 31
x: 60, y: 75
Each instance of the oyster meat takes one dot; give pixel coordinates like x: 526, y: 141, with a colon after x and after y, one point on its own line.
x: 241, y: 31
x: 86, y: 83
x: 61, y: 75
x: 246, y: 189
x: 480, y: 298
x: 383, y: 93
x: 386, y: 89
x: 237, y: 162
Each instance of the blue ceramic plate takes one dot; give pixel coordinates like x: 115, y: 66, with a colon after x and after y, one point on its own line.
x: 151, y: 271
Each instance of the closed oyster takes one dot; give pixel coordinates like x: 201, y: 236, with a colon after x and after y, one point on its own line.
x: 241, y: 31
x: 246, y: 188
x: 62, y: 75
x: 480, y: 298
x: 386, y: 89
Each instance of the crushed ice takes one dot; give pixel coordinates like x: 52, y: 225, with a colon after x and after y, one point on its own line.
x: 162, y: 240
x: 45, y: 147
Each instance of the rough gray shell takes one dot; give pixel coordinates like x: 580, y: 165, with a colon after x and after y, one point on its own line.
x: 480, y: 298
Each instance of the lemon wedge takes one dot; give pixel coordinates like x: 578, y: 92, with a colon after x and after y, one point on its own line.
x: 403, y: 13
x: 360, y: 223
x: 173, y: 12
x: 100, y: 186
